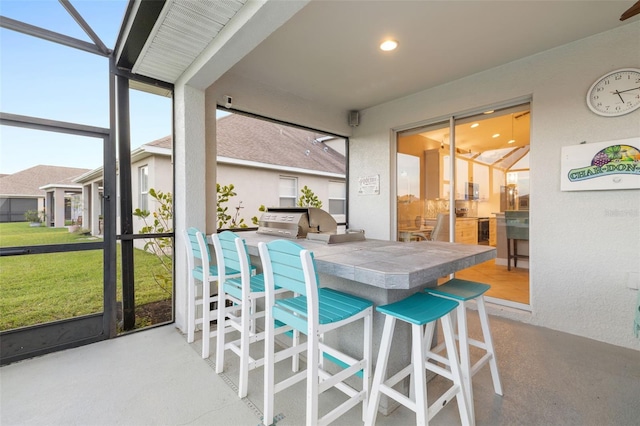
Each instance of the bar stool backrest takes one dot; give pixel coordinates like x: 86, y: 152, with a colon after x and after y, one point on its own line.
x: 192, y: 244
x: 287, y: 267
x: 199, y: 257
x: 517, y: 224
x: 227, y: 254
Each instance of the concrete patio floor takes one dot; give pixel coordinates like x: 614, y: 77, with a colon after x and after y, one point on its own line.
x: 155, y: 377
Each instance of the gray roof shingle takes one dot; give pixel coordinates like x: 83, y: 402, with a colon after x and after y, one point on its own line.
x: 27, y: 182
x: 262, y: 141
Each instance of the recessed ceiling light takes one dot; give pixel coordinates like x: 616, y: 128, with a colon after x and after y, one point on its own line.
x: 388, y: 45
x: 474, y: 125
x: 497, y: 135
x: 512, y: 141
x: 489, y: 112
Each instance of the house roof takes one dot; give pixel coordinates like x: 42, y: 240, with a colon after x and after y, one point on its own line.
x: 164, y: 142
x: 255, y: 142
x: 267, y: 142
x: 27, y: 183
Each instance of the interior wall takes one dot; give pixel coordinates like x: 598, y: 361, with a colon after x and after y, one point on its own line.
x: 583, y: 244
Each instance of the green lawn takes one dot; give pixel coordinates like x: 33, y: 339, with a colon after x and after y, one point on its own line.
x: 46, y: 287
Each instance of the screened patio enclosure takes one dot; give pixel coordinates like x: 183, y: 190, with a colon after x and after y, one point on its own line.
x: 63, y: 289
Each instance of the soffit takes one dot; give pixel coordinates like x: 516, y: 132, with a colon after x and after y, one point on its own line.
x: 181, y: 33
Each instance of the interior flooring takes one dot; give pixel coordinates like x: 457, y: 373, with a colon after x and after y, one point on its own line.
x: 155, y: 377
x: 508, y: 285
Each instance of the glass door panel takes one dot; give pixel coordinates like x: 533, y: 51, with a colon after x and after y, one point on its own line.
x: 495, y: 148
x: 423, y: 180
x: 491, y: 177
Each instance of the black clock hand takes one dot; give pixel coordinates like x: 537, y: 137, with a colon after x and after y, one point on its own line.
x: 628, y: 90
x: 619, y: 95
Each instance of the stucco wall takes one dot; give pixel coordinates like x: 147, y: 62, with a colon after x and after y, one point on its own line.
x: 256, y: 187
x: 583, y: 244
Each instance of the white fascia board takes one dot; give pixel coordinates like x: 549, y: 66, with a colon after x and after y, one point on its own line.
x: 143, y: 152
x: 93, y: 175
x: 53, y: 186
x: 288, y: 169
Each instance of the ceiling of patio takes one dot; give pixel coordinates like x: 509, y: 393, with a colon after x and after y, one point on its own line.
x: 328, y: 51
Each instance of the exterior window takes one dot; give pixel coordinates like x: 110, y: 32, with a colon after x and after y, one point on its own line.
x: 143, y: 182
x: 337, y: 197
x: 288, y: 191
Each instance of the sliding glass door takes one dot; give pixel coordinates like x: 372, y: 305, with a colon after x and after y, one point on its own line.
x: 457, y: 179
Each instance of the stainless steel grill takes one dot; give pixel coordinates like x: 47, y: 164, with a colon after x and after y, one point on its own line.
x: 304, y: 222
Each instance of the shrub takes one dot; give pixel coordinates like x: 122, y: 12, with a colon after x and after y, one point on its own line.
x: 32, y: 216
x: 162, y: 246
x: 308, y: 198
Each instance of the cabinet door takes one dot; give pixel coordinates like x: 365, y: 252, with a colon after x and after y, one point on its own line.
x: 492, y: 232
x: 432, y: 174
x: 467, y: 231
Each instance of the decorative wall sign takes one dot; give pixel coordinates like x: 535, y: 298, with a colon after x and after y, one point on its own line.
x: 601, y: 166
x: 369, y: 185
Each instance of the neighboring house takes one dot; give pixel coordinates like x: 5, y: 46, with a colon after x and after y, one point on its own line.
x: 269, y: 163
x: 256, y: 156
x: 48, y: 189
x: 150, y: 168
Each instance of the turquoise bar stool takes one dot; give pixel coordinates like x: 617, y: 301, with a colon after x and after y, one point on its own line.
x: 462, y: 291
x: 418, y: 310
x: 313, y: 311
x: 202, y: 288
x: 200, y: 270
x: 239, y: 310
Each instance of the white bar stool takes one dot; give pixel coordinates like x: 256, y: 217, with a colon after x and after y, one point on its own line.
x: 313, y: 311
x: 462, y: 291
x: 418, y: 309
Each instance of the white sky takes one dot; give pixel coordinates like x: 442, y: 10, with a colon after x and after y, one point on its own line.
x: 43, y: 79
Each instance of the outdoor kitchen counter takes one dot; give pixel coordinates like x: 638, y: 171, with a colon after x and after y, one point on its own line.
x: 383, y: 272
x: 388, y: 265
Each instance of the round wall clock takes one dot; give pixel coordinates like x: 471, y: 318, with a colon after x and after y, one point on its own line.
x: 615, y: 93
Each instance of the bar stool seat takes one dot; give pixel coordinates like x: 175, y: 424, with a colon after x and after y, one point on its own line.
x: 462, y: 291
x: 417, y: 310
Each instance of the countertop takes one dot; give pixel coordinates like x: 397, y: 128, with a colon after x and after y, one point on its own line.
x: 386, y: 264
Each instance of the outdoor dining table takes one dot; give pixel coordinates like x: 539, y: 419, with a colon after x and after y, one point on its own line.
x: 383, y: 272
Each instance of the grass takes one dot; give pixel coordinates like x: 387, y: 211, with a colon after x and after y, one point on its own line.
x: 21, y: 234
x: 35, y: 289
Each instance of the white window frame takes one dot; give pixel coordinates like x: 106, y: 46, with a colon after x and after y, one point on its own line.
x: 340, y: 195
x: 287, y: 195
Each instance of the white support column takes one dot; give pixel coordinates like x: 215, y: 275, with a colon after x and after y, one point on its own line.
x: 190, y: 184
x: 59, y: 207
x: 96, y: 208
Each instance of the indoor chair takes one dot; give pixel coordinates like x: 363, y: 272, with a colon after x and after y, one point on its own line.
x: 418, y: 310
x: 238, y: 309
x: 462, y: 291
x: 312, y: 311
x: 517, y: 224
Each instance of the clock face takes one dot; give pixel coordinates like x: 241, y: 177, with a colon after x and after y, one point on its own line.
x: 616, y: 93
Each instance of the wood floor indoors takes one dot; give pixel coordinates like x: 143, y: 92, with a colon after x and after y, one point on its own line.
x: 508, y: 285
